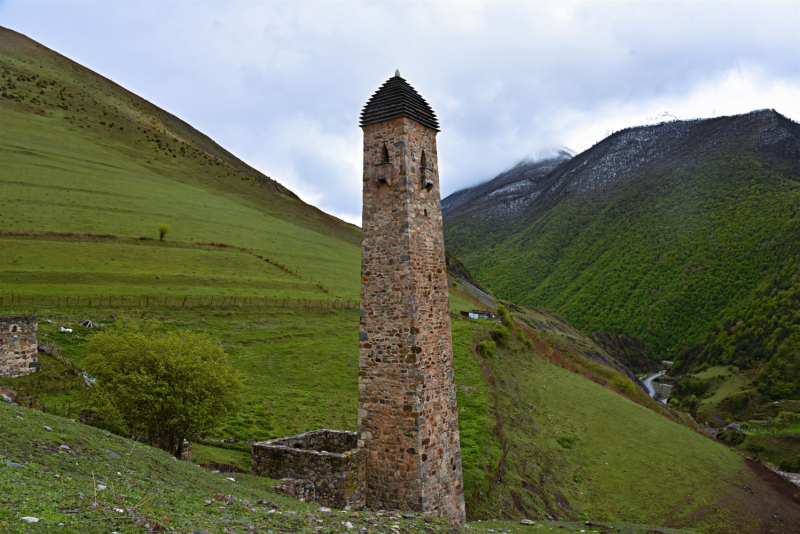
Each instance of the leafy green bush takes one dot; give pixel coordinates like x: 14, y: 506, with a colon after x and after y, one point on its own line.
x: 732, y: 437
x: 501, y: 335
x: 165, y: 386
x: 486, y: 348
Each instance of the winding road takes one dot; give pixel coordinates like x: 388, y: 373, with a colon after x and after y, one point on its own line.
x: 648, y: 382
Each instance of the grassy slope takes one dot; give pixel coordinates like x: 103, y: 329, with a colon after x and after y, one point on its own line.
x: 64, y: 171
x: 291, y: 387
x: 146, y: 488
x: 299, y: 365
x: 152, y: 489
x: 628, y: 473
x: 659, y: 258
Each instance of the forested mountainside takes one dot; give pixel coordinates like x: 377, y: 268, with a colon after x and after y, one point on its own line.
x: 760, y: 333
x: 653, y: 232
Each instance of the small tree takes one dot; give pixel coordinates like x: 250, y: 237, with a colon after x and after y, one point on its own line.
x: 163, y: 229
x: 165, y: 386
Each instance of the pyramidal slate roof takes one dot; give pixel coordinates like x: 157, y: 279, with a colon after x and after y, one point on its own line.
x: 396, y: 98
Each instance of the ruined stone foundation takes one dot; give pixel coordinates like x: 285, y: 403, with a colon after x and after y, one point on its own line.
x: 18, y: 345
x: 322, y: 466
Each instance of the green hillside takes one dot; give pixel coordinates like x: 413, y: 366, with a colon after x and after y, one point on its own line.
x: 664, y: 252
x: 82, y: 155
x: 567, y: 446
x: 147, y: 490
x: 539, y: 439
x: 763, y: 327
x: 746, y: 369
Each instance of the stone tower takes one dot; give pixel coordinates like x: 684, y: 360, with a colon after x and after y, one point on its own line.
x: 407, y: 415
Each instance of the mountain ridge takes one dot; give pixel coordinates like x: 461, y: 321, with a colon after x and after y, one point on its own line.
x: 631, y: 150
x: 631, y: 235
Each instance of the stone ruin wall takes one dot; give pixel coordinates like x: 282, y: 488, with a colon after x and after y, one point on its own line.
x: 408, y: 420
x: 324, y: 466
x: 18, y: 345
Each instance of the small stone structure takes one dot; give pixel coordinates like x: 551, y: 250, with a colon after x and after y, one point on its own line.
x: 326, y: 460
x: 18, y: 345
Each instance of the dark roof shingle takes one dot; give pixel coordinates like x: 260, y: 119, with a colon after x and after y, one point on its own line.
x: 396, y: 98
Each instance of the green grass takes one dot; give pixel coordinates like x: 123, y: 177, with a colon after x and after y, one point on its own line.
x: 733, y: 384
x: 148, y: 487
x: 300, y: 370
x: 57, y: 266
x: 143, y: 483
x: 64, y: 171
x: 513, y: 527
x: 624, y: 461
x: 299, y: 366
x: 204, y: 454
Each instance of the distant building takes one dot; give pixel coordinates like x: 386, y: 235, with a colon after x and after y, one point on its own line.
x: 18, y: 345
x: 478, y: 314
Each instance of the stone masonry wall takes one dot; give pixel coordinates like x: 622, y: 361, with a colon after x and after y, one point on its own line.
x: 18, y: 345
x: 407, y: 417
x: 326, y: 458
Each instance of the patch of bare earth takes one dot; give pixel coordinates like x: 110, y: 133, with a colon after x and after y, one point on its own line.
x: 764, y: 504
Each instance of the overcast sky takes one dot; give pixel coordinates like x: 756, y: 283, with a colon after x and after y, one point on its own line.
x: 281, y: 84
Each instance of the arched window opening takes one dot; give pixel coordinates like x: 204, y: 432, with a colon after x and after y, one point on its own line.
x: 426, y: 173
x: 383, y: 171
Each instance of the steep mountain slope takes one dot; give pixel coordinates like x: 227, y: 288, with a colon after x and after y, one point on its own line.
x: 83, y: 155
x: 508, y: 193
x: 760, y: 336
x: 652, y: 232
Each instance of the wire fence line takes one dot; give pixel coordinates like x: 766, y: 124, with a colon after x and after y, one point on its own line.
x: 171, y: 301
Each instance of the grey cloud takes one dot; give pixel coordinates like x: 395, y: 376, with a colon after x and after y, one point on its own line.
x: 282, y: 84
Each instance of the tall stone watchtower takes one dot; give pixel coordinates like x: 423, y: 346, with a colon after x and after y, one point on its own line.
x: 407, y: 415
